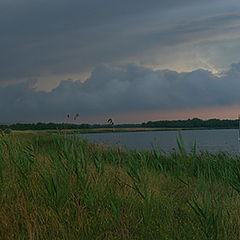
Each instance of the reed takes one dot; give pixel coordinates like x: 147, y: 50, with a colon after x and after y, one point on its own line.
x: 62, y: 187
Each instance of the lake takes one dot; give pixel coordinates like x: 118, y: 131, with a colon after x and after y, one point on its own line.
x: 210, y: 140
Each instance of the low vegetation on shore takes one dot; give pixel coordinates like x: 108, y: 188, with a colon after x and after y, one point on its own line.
x: 62, y: 187
x: 194, y: 123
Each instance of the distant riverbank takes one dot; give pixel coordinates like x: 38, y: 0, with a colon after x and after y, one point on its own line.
x: 107, y: 130
x: 161, y: 125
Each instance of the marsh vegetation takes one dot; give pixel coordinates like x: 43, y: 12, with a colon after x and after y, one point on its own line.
x: 62, y: 187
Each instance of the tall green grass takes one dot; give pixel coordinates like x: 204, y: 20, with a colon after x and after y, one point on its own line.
x: 61, y: 187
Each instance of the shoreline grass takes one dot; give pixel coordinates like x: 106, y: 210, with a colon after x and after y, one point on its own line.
x: 62, y: 187
x: 105, y: 130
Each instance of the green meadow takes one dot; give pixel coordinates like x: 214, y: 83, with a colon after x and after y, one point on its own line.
x: 55, y: 186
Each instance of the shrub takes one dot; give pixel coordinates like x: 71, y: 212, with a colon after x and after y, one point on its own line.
x: 8, y: 131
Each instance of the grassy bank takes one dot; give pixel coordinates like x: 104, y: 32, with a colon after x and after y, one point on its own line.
x: 95, y: 130
x: 58, y: 187
x: 105, y: 130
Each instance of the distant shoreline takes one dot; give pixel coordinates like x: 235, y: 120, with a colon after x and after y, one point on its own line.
x: 162, y: 125
x: 108, y: 130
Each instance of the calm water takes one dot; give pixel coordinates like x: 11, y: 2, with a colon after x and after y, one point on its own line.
x: 211, y: 140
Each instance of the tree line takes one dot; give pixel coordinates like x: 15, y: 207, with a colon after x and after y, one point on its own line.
x: 189, y: 123
x: 193, y: 123
x: 44, y: 126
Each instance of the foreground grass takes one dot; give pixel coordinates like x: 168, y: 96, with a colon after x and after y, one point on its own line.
x: 58, y: 187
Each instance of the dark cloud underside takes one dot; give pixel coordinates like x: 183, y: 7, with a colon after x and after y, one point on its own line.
x: 128, y: 89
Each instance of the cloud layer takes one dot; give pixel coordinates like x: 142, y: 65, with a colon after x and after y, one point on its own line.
x: 118, y: 43
x: 43, y: 38
x: 125, y: 89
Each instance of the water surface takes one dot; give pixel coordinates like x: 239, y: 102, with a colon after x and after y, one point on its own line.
x: 210, y: 140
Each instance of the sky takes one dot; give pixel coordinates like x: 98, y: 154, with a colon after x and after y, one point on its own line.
x: 133, y: 61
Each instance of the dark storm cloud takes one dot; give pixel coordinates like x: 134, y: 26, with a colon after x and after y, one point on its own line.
x: 128, y: 89
x: 40, y: 38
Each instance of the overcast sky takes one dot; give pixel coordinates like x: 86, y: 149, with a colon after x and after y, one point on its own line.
x: 133, y: 60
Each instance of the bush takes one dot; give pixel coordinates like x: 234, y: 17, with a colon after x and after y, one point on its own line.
x: 8, y: 131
